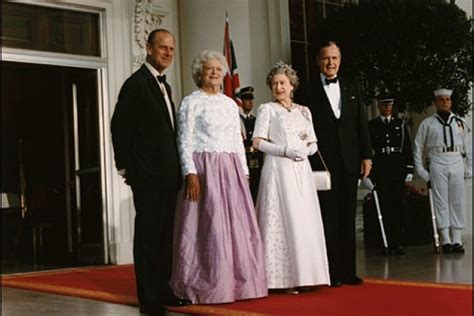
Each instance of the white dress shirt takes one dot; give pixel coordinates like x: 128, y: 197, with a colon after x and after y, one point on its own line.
x: 156, y: 73
x: 333, y: 92
x: 389, y: 118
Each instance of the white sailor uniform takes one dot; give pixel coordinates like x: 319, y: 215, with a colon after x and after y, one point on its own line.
x: 445, y: 142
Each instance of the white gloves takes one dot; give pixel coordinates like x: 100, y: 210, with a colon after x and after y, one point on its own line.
x: 295, y: 153
x: 311, y: 149
x: 289, y: 152
x: 424, y: 175
x: 409, y: 177
x: 367, y: 183
x: 282, y: 151
x: 272, y: 149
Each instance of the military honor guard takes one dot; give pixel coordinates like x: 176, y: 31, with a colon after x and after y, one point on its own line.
x: 392, y: 167
x: 445, y: 137
x: 254, y: 157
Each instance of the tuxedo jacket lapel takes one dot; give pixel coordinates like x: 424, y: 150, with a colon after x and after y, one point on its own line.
x: 344, y: 98
x: 324, y: 99
x: 173, y: 110
x: 159, y: 96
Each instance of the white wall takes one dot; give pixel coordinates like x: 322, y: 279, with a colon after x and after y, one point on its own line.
x: 466, y: 5
x: 256, y: 31
x: 202, y: 27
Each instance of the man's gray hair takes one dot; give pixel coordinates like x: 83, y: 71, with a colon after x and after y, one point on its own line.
x: 204, y: 57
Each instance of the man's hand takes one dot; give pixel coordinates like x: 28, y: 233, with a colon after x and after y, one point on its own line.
x: 365, y: 167
x: 409, y: 177
x: 425, y: 175
x: 122, y: 172
x: 193, y: 187
x: 468, y: 173
x: 367, y: 183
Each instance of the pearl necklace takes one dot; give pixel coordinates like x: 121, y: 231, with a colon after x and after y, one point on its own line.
x: 288, y: 108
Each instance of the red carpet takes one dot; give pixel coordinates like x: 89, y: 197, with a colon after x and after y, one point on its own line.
x: 116, y: 284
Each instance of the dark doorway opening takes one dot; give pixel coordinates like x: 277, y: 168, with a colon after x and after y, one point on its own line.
x: 50, y: 168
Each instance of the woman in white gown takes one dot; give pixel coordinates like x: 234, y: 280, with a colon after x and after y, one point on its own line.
x: 287, y: 205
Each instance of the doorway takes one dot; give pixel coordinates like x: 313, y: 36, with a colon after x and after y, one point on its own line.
x: 51, y: 162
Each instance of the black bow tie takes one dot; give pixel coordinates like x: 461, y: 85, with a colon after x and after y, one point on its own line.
x: 329, y: 81
x: 161, y: 78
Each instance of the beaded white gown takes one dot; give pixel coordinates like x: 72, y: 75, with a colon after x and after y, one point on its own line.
x: 287, y: 204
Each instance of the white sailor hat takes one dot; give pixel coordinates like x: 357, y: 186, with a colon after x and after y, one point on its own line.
x: 443, y: 91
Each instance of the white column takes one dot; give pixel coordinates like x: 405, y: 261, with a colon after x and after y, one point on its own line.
x: 120, y: 212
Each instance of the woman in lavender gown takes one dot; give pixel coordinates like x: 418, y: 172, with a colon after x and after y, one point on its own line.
x: 218, y: 251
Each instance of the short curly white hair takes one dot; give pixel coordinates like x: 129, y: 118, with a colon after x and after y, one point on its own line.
x: 204, y: 57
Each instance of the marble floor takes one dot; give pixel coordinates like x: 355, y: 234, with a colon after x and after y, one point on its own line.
x: 418, y: 264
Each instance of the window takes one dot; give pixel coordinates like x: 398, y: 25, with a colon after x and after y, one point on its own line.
x: 304, y: 16
x: 47, y: 29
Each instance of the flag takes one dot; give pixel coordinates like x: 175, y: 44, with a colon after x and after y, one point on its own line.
x: 231, y: 79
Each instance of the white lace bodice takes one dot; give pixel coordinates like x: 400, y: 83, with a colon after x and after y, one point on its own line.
x: 208, y: 123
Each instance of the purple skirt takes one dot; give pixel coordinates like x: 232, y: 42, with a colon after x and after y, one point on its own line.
x: 218, y: 252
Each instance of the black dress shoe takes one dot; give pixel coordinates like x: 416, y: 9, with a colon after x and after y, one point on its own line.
x: 457, y: 248
x: 397, y: 251
x: 302, y: 289
x: 355, y: 280
x: 336, y: 283
x: 175, y: 301
x: 153, y: 311
x: 447, y: 248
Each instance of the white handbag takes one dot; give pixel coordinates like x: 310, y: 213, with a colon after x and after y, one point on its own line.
x: 322, y: 179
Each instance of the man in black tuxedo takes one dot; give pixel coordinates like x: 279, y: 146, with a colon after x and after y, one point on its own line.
x: 340, y: 123
x: 144, y: 140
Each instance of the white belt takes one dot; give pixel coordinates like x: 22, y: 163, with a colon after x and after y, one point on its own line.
x: 388, y: 150
x: 443, y: 149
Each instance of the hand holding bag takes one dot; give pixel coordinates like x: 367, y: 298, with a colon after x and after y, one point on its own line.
x: 322, y: 179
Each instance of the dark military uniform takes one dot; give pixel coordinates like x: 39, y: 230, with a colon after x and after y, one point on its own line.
x: 254, y: 157
x: 393, y: 160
